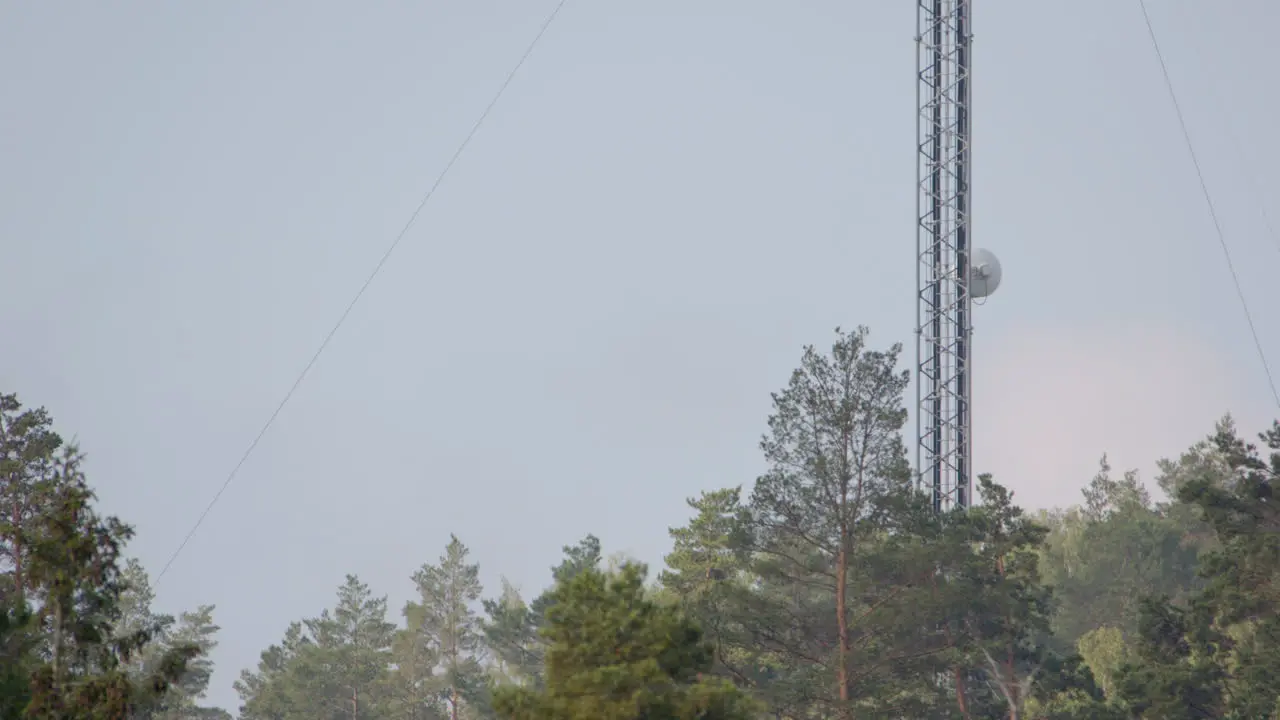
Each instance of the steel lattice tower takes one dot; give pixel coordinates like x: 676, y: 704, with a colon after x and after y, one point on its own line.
x: 943, y: 325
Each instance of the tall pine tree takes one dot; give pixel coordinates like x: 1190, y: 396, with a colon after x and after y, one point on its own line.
x: 615, y: 654
x: 444, y: 621
x: 67, y: 556
x: 512, y: 629
x: 837, y: 464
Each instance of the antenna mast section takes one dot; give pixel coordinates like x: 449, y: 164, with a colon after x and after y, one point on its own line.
x: 943, y: 300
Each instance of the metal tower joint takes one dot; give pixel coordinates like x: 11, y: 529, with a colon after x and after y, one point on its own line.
x: 948, y: 278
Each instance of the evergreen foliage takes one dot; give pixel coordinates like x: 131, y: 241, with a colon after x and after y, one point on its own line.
x: 615, y: 654
x: 825, y: 589
x: 63, y: 626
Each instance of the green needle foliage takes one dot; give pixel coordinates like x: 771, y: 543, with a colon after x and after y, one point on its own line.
x: 826, y: 588
x: 62, y: 623
x: 1218, y: 655
x: 615, y: 654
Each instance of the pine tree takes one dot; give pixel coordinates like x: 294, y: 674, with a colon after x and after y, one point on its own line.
x: 512, y: 628
x: 193, y: 629
x: 352, y: 643
x: 413, y: 688
x: 510, y: 633
x: 1000, y: 607
x: 18, y: 644
x: 1105, y: 556
x: 274, y: 691
x: 74, y: 566
x: 135, y: 610
x: 332, y: 667
x: 709, y: 572
x: 614, y: 654
x: 837, y: 464
x: 446, y: 624
x: 29, y: 450
x: 1218, y: 655
x: 72, y: 637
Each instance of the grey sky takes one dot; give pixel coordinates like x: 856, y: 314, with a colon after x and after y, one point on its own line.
x: 585, y: 325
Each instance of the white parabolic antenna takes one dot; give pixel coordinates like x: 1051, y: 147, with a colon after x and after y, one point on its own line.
x: 984, y: 276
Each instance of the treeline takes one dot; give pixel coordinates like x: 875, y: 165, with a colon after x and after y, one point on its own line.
x: 828, y: 588
x: 77, y: 635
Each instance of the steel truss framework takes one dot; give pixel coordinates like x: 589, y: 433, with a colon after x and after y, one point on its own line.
x: 943, y: 326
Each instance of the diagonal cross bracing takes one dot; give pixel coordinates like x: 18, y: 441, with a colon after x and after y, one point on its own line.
x: 942, y: 245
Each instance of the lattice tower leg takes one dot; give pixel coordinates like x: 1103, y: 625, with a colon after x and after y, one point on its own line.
x: 943, y: 244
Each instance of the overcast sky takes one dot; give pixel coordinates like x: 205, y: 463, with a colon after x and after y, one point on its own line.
x: 585, y: 324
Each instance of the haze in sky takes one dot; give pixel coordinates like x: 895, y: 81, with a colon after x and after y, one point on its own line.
x: 584, y: 325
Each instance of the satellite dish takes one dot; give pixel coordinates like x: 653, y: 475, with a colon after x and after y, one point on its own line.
x: 984, y: 275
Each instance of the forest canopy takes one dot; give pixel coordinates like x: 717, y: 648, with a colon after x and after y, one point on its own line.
x: 825, y: 588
